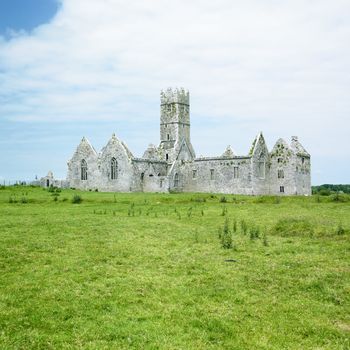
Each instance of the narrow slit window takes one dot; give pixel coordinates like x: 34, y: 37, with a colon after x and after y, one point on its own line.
x: 176, y: 180
x: 211, y: 174
x: 83, y: 170
x: 235, y: 172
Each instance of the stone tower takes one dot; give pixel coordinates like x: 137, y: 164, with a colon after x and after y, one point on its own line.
x: 175, y: 123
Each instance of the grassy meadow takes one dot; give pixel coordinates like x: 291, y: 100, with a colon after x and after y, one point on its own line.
x: 173, y: 271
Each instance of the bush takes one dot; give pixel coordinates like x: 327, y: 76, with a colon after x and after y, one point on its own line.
x: 324, y: 192
x: 76, y: 199
x: 339, y: 197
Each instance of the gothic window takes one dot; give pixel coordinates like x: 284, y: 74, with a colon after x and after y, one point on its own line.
x: 261, y: 169
x: 167, y: 156
x: 235, y: 172
x: 280, y: 174
x: 142, y: 176
x: 194, y: 174
x: 211, y: 174
x: 282, y: 189
x: 47, y: 183
x: 168, y: 137
x: 302, y: 160
x: 176, y: 180
x: 114, y: 168
x: 83, y: 170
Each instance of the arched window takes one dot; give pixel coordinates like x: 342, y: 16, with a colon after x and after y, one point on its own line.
x: 114, y: 168
x: 83, y: 170
x: 176, y: 180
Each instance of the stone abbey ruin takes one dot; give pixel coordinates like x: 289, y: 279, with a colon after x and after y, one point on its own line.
x: 173, y: 165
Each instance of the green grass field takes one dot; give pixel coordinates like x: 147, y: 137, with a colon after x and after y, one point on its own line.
x: 148, y: 271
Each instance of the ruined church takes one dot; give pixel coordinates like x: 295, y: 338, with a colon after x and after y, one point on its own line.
x: 174, y: 167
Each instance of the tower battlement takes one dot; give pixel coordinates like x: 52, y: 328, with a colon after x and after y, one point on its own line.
x: 177, y: 95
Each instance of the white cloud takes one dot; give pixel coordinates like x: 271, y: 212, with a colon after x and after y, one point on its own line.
x: 283, y: 67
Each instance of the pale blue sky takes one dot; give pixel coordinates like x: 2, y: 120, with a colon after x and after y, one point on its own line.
x: 76, y: 68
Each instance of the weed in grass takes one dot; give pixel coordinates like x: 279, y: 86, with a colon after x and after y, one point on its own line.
x: 24, y: 200
x: 293, y: 227
x: 234, y: 226
x: 254, y: 232
x: 77, y: 199
x: 202, y: 212
x: 244, y: 227
x: 196, y: 236
x: 226, y: 236
x: 223, y: 199
x: 198, y: 199
x: 340, y: 229
x: 277, y: 200
x: 223, y: 211
x: 189, y: 212
x: 265, y: 241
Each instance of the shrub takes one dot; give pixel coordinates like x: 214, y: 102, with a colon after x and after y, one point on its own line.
x: 76, y: 199
x: 339, y: 197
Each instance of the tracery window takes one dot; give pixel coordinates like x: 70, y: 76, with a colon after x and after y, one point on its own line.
x: 114, y: 168
x: 83, y: 169
x: 280, y: 174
